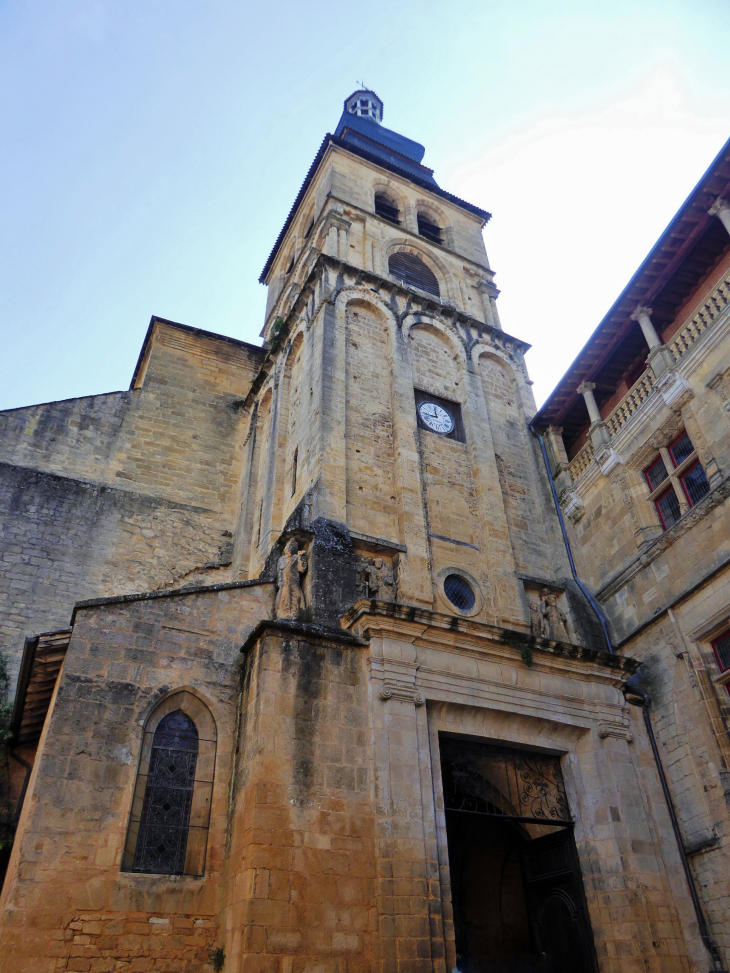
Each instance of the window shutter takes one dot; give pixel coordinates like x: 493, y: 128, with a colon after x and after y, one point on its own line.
x: 413, y: 272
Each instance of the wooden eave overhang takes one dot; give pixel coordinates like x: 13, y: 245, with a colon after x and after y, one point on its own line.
x: 43, y: 657
x: 689, y: 248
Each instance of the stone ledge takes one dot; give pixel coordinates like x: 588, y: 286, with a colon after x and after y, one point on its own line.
x: 306, y: 631
x: 414, y: 623
x: 195, y: 589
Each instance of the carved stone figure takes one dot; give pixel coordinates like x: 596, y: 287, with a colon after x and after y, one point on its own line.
x: 556, y: 621
x: 537, y: 620
x: 376, y: 580
x: 290, y: 566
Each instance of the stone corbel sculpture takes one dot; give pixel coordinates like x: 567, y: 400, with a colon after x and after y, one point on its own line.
x: 376, y: 580
x: 291, y: 565
x: 548, y: 620
x: 556, y: 621
x: 537, y: 620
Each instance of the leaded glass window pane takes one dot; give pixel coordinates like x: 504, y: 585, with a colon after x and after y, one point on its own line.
x: 695, y: 484
x: 681, y: 448
x: 163, y: 831
x: 722, y: 651
x: 656, y: 473
x: 668, y: 507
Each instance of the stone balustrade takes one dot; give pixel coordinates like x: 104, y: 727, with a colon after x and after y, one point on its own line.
x: 715, y: 304
x: 631, y: 402
x: 683, y: 340
x: 581, y: 461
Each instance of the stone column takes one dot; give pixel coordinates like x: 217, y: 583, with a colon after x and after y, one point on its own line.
x: 600, y: 436
x: 659, y: 357
x: 489, y: 293
x: 586, y: 390
x: 560, y: 466
x: 414, y: 570
x: 643, y: 316
x: 721, y: 209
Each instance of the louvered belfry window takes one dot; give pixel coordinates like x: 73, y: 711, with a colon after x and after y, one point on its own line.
x: 386, y: 209
x: 431, y: 231
x: 163, y: 831
x: 413, y: 272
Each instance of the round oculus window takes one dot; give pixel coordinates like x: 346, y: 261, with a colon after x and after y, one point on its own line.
x: 436, y: 417
x: 459, y: 592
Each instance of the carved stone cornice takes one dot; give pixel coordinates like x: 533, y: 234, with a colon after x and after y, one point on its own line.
x: 423, y: 627
x: 398, y: 680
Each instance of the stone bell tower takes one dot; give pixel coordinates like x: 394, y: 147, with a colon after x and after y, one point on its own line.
x: 392, y: 409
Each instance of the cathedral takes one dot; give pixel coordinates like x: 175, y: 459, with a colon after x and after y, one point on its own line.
x: 336, y: 655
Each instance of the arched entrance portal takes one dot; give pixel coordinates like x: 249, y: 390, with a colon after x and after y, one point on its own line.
x: 516, y: 887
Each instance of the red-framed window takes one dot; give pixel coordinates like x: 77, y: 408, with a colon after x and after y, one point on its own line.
x: 668, y: 508
x: 656, y: 474
x: 681, y: 448
x: 721, y: 648
x: 692, y: 481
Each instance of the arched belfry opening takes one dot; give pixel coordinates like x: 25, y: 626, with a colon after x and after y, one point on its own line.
x: 516, y: 887
x: 410, y: 269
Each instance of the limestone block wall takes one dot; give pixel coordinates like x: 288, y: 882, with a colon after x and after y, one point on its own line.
x: 66, y: 904
x: 302, y: 881
x: 64, y: 540
x: 691, y: 716
x: 125, y: 492
x: 175, y: 435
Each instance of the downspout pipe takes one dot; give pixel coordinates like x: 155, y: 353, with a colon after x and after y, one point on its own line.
x: 591, y: 600
x: 707, y: 939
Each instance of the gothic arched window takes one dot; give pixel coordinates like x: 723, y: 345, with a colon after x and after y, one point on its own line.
x: 163, y: 831
x: 168, y: 828
x: 413, y: 272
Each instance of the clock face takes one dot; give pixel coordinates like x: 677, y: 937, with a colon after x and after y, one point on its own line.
x: 436, y: 417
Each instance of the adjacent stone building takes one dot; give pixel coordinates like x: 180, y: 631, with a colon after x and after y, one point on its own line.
x: 309, y: 676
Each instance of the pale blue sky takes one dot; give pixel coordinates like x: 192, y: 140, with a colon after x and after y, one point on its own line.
x: 151, y: 151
